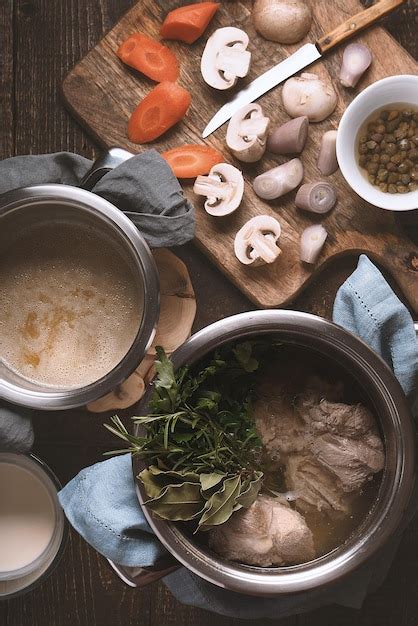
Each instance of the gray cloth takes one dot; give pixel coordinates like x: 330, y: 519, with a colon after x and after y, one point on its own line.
x: 143, y: 187
x: 16, y: 432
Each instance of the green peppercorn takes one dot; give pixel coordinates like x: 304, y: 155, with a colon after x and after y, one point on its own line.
x: 372, y: 179
x: 392, y: 189
x: 391, y: 167
x: 413, y: 155
x: 375, y: 158
x: 403, y: 168
x: 362, y: 148
x: 402, y: 188
x: 384, y: 158
x: 390, y: 148
x: 404, y: 144
x: 382, y: 175
x: 372, y: 167
x: 396, y: 158
x: 383, y: 187
x: 371, y: 145
x: 413, y: 186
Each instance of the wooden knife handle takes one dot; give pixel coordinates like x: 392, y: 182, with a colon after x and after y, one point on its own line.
x: 356, y: 23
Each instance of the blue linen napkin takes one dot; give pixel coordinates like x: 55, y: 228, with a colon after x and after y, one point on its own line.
x: 109, y: 517
x: 16, y: 432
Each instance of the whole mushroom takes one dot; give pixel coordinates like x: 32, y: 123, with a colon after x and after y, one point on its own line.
x: 284, y: 21
x: 247, y: 132
x: 256, y: 242
x: 225, y: 58
x: 223, y: 187
x: 309, y: 95
x: 279, y: 180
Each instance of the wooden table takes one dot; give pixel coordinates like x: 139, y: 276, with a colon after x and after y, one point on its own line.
x: 40, y: 41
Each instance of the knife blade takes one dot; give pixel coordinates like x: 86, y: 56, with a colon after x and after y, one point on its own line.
x: 303, y: 57
x: 300, y: 59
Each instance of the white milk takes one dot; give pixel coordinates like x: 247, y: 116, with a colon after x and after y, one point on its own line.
x: 27, y: 517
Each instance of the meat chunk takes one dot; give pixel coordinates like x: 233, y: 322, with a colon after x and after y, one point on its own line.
x: 279, y: 426
x: 268, y: 533
x: 348, y: 420
x: 314, y: 485
x: 352, y: 461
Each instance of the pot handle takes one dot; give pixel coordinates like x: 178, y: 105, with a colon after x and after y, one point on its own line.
x: 106, y: 162
x: 143, y: 576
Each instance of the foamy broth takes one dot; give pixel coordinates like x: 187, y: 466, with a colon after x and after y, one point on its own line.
x: 70, y: 306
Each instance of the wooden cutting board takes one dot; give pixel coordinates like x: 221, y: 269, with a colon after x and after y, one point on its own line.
x: 102, y: 93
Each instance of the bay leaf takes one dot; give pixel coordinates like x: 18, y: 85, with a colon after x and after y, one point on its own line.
x: 250, y: 490
x: 220, y: 506
x: 208, y: 481
x: 181, y: 502
x: 155, y: 480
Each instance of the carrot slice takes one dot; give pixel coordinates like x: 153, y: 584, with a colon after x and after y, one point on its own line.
x: 150, y: 57
x: 188, y: 23
x: 163, y: 107
x: 192, y: 160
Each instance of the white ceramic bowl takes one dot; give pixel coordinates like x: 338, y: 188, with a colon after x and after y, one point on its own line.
x: 385, y: 92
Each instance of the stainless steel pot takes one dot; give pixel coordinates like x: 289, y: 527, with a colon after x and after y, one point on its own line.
x: 55, y: 203
x: 384, y: 394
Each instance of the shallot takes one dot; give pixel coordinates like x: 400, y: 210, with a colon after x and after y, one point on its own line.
x: 311, y: 243
x: 356, y: 59
x: 289, y: 138
x: 317, y: 197
x: 279, y: 180
x: 327, y: 158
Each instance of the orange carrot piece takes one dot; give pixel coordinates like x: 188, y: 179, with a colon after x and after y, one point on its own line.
x: 150, y: 57
x: 192, y: 160
x: 163, y: 107
x: 188, y: 23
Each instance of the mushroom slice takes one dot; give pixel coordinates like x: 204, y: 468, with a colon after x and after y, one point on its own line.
x: 225, y: 57
x: 223, y: 187
x: 256, y: 242
x: 247, y: 133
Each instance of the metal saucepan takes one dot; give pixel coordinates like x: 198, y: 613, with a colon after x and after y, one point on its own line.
x: 55, y: 203
x: 389, y: 511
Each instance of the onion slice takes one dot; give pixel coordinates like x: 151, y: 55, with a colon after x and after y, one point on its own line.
x: 317, y: 197
x: 311, y: 243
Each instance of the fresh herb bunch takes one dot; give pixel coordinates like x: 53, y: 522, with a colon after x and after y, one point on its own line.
x: 200, y: 443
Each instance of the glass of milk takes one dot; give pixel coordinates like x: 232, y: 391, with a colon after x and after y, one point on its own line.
x: 32, y: 524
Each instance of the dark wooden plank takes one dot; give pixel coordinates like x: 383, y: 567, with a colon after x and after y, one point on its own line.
x: 84, y: 591
x: 102, y: 93
x: 7, y: 91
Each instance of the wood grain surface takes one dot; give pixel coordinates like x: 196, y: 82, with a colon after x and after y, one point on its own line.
x: 102, y: 93
x: 41, y: 40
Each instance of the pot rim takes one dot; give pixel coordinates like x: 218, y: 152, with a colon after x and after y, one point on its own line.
x: 128, y: 234
x: 397, y: 481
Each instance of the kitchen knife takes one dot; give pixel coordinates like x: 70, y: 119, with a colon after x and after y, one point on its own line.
x: 300, y: 59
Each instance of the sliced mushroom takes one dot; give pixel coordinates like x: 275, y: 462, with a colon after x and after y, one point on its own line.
x: 247, y: 132
x: 223, y: 187
x: 225, y: 57
x: 279, y: 180
x: 256, y: 242
x: 177, y: 314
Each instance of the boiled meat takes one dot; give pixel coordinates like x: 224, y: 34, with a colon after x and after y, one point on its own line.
x: 314, y: 485
x: 349, y: 420
x: 279, y: 426
x: 267, y: 533
x: 352, y: 461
